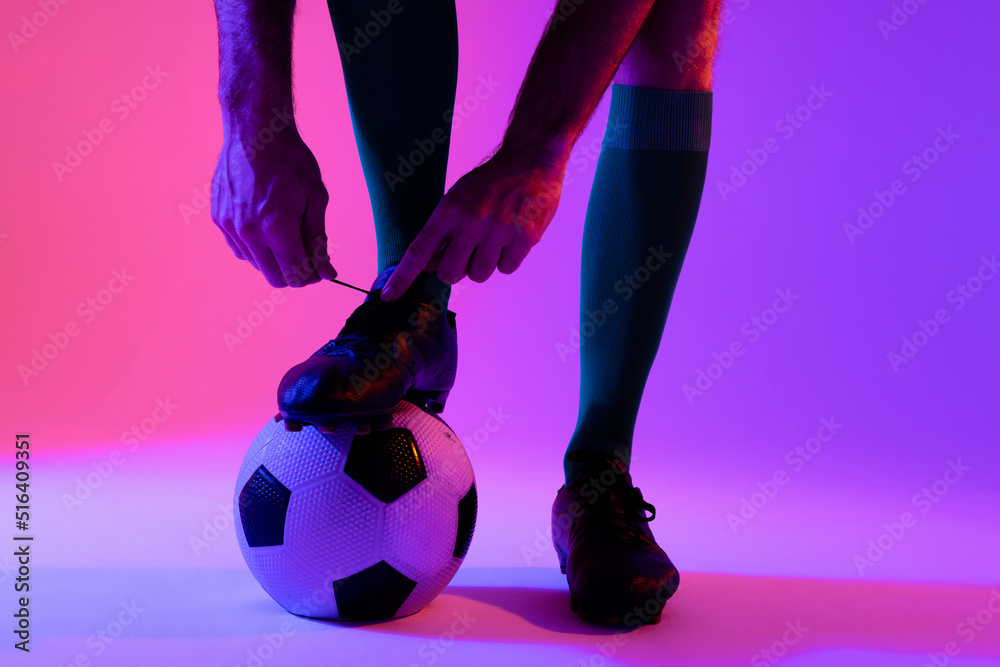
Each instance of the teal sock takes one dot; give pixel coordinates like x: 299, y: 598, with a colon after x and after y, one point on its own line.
x: 400, y: 72
x: 640, y: 217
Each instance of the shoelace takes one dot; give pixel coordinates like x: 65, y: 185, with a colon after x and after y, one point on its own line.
x: 625, y: 516
x: 643, y: 506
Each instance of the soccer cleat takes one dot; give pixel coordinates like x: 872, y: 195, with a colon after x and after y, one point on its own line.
x: 616, y: 572
x: 386, y: 352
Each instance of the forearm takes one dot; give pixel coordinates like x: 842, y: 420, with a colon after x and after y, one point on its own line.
x: 255, y: 59
x: 572, y: 67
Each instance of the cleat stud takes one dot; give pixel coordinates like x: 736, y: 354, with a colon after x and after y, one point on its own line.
x: 292, y: 425
x: 278, y: 417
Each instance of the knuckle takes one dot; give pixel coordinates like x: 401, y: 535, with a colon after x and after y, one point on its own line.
x: 418, y: 249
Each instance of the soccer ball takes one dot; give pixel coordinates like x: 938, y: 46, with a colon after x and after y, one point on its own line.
x: 345, y: 526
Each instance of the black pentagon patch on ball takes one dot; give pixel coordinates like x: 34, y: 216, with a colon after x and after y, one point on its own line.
x: 466, y: 522
x: 263, y: 505
x: 386, y: 463
x: 373, y: 593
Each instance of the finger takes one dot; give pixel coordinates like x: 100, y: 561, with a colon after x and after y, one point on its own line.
x: 420, y: 251
x: 228, y: 227
x: 284, y: 238
x: 232, y: 245
x: 231, y: 216
x: 511, y: 258
x: 292, y: 260
x: 224, y: 225
x: 266, y: 262
x: 432, y: 265
x: 223, y: 213
x: 484, y: 262
x: 245, y: 251
x: 454, y: 262
x: 314, y: 235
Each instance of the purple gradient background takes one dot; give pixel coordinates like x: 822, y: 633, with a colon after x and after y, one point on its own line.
x: 163, y: 336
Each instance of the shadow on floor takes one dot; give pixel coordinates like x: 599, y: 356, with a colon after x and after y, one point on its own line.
x: 716, y: 618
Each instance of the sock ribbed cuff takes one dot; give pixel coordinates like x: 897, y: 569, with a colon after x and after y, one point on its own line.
x: 427, y: 283
x: 434, y: 287
x: 661, y: 120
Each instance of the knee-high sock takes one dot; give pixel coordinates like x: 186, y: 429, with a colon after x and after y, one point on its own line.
x: 640, y: 216
x: 400, y: 71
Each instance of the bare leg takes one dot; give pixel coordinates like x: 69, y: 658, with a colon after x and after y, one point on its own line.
x: 675, y: 48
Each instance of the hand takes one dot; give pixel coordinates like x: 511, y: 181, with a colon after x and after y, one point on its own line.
x: 271, y: 206
x: 487, y: 221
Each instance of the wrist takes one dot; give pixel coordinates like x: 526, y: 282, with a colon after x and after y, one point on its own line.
x: 251, y: 90
x: 264, y: 118
x: 546, y: 152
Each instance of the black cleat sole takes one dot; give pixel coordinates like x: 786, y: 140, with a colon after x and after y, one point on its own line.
x: 362, y: 424
x: 603, y: 618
